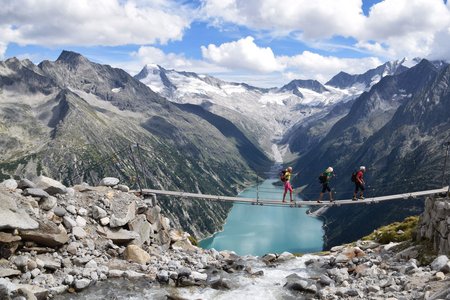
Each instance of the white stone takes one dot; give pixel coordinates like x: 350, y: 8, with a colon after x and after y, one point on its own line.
x: 82, y: 211
x: 79, y: 232
x: 69, y: 222
x: 80, y: 221
x: 72, y: 209
x: 81, y: 284
x: 91, y: 264
x: 109, y: 181
x: 9, y: 184
x: 198, y: 276
x: 115, y: 273
x: 48, y: 203
x: 439, y: 262
x: 104, y: 221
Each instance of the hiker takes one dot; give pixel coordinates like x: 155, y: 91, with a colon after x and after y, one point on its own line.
x: 324, y: 179
x: 287, y: 183
x: 359, y: 183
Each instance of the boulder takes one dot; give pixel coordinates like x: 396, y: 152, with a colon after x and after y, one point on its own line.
x: 98, y: 212
x: 9, y: 238
x: 120, y: 236
x: 142, y: 227
x: 109, y: 181
x: 4, y: 272
x: 25, y: 184
x: 153, y: 214
x: 11, y: 217
x: 285, y: 256
x: 183, y: 245
x: 33, y: 290
x: 81, y: 284
x: 60, y: 211
x: 439, y: 263
x: 49, y: 262
x: 136, y: 254
x: 123, y: 210
x: 79, y: 232
x: 49, y: 185
x: 123, y: 188
x: 35, y: 192
x: 9, y: 184
x: 48, y: 234
x: 48, y: 203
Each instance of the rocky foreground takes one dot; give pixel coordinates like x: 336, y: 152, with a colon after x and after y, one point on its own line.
x: 61, y: 242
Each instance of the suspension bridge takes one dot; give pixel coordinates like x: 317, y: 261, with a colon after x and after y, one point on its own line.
x: 137, y: 166
x: 295, y: 203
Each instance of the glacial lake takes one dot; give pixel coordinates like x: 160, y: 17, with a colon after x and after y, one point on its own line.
x: 257, y: 230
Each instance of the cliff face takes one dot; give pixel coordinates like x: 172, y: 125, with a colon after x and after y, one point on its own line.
x: 435, y: 224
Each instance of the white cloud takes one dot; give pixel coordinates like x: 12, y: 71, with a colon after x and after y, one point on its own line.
x: 152, y: 55
x: 392, y: 29
x: 242, y: 54
x: 316, y: 19
x: 308, y: 65
x: 87, y: 23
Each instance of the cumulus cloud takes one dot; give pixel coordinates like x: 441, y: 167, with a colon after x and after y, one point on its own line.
x: 242, y: 54
x: 392, y: 29
x: 316, y: 19
x: 152, y: 55
x: 311, y: 65
x: 87, y: 23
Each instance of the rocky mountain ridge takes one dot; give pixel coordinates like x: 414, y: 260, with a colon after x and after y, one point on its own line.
x: 398, y: 137
x: 76, y: 120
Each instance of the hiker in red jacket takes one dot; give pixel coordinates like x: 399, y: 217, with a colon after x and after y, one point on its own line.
x: 359, y: 183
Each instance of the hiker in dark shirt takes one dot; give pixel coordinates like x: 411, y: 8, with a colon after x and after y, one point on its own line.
x: 359, y: 183
x: 325, y: 181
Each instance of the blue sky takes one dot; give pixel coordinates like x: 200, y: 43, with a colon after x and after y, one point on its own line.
x: 260, y: 42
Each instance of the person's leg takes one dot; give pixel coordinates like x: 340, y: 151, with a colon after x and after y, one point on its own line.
x: 321, y: 193
x: 361, y: 194
x: 290, y: 190
x: 355, y: 192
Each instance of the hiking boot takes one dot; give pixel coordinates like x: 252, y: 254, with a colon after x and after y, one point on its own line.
x: 318, y: 201
x: 354, y: 198
x: 361, y: 197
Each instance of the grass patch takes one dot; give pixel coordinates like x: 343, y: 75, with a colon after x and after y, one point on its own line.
x: 395, y: 232
x: 193, y: 240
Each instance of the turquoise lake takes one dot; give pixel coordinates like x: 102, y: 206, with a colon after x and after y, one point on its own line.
x: 257, y: 230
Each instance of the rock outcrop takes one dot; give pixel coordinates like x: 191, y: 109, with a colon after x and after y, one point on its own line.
x: 435, y: 223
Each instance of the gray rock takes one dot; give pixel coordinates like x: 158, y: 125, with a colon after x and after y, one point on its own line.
x: 69, y: 279
x: 79, y: 232
x: 91, y: 264
x: 221, y: 284
x: 373, y: 288
x: 141, y: 227
x: 4, y: 272
x: 11, y: 217
x: 50, y: 262
x: 35, y: 273
x: 184, y: 272
x: 72, y: 248
x: 439, y: 263
x: 21, y: 261
x: 81, y: 222
x: 109, y: 181
x: 48, y: 234
x: 123, y: 188
x: 325, y: 280
x: 81, y: 284
x: 98, y: 212
x: 25, y: 184
x: 69, y: 223
x: 35, y: 192
x: 82, y: 211
x: 72, y: 209
x: 104, y: 221
x: 119, y: 237
x: 6, y: 288
x: 48, y: 203
x: 123, y: 211
x: 9, y: 184
x: 153, y: 214
x: 60, y: 211
x: 163, y: 276
x: 50, y: 186
x: 32, y: 292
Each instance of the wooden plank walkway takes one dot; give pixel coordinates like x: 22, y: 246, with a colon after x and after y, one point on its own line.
x: 255, y: 201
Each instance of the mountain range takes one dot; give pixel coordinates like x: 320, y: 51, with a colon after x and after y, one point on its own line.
x: 76, y: 120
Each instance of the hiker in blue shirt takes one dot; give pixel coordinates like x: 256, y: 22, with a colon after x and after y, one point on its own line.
x: 324, y: 179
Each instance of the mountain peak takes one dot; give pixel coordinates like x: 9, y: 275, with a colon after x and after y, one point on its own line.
x: 71, y: 57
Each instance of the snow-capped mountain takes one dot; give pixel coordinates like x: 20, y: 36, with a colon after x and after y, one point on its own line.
x: 344, y: 80
x: 263, y: 114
